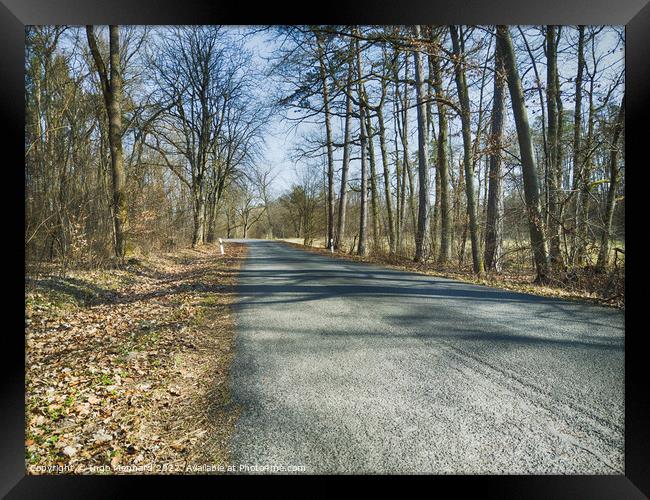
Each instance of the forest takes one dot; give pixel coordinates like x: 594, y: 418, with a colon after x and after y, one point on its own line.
x: 483, y: 149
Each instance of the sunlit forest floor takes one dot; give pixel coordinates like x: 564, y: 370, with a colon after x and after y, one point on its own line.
x: 603, y: 288
x: 126, y: 369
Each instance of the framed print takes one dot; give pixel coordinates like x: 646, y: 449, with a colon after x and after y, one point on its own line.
x: 390, y: 243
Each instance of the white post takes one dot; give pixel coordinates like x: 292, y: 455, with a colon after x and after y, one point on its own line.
x: 221, y: 245
x: 331, y: 245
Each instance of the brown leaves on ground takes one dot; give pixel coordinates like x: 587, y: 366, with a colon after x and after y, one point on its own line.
x: 126, y: 370
x: 588, y: 285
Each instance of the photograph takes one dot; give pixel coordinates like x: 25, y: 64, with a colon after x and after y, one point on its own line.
x: 326, y: 249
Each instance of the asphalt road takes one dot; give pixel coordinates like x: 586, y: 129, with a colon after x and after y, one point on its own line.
x: 343, y: 367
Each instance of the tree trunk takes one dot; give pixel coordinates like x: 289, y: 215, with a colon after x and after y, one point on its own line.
x: 528, y: 167
x: 343, y: 198
x: 212, y: 216
x: 494, y: 217
x: 112, y: 92
x: 443, y: 168
x: 577, y: 134
x: 373, y: 182
x: 407, y: 172
x: 399, y: 205
x: 554, y: 165
x: 461, y: 85
x: 423, y: 156
x: 603, y: 254
x: 411, y: 196
x: 269, y: 220
x: 386, y: 168
x: 228, y: 225
x: 198, y: 231
x: 330, y: 154
x: 363, y: 216
x: 585, y: 181
x: 560, y: 175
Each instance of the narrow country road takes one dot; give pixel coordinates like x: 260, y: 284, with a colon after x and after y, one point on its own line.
x: 343, y: 367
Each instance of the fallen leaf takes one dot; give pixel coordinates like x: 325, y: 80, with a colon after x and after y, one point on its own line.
x: 102, y: 437
x: 69, y: 451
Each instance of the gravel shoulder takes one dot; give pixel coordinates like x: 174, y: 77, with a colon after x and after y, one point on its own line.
x: 346, y: 367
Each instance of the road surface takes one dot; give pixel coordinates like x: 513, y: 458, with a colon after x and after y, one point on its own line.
x: 344, y: 367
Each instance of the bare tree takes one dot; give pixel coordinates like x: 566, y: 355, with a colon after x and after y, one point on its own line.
x: 200, y: 77
x: 328, y: 131
x: 577, y: 141
x: 363, y: 213
x: 111, y: 84
x: 345, y: 166
x: 442, y: 160
x: 262, y: 178
x: 468, y: 162
x: 603, y: 254
x: 554, y: 165
x: 494, y: 219
x: 423, y: 154
x: 392, y: 244
x: 528, y: 167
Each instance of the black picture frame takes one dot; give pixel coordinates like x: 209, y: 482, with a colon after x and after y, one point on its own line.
x: 635, y: 14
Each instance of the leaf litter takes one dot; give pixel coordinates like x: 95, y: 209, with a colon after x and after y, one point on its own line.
x: 127, y: 369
